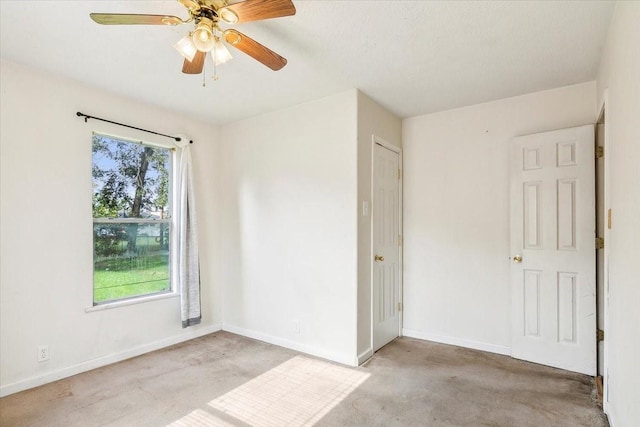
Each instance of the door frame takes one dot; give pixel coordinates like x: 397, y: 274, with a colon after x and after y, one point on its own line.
x: 379, y: 141
x: 602, y: 109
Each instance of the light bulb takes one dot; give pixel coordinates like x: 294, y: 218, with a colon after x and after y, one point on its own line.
x: 186, y: 47
x: 203, y: 35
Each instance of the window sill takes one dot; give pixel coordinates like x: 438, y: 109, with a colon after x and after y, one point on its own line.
x: 132, y: 301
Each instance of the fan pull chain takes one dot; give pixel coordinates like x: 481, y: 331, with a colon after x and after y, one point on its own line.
x: 204, y: 72
x: 215, y: 60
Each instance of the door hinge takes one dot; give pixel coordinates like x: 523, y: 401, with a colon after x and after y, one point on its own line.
x: 599, y: 151
x: 399, y: 174
x: 599, y: 243
x: 399, y: 306
x: 399, y: 240
x: 600, y: 335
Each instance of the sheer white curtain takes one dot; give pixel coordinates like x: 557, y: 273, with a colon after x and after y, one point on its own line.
x: 188, y: 261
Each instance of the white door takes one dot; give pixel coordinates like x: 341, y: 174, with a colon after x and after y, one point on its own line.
x: 553, y: 306
x: 386, y: 245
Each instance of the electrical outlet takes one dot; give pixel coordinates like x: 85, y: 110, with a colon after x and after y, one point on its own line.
x: 43, y: 353
x: 296, y: 326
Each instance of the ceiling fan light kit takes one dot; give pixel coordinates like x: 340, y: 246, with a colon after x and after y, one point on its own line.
x: 186, y: 47
x: 207, y: 35
x: 203, y: 35
x: 220, y: 53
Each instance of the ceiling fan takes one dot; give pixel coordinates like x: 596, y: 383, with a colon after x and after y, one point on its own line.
x: 207, y: 35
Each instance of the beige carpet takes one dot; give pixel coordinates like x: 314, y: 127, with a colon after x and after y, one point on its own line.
x: 226, y: 380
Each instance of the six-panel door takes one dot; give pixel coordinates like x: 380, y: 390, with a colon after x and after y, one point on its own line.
x: 552, y: 230
x: 385, y: 236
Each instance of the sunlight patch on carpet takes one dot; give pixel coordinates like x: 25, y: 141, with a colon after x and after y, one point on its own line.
x: 200, y: 418
x: 298, y: 392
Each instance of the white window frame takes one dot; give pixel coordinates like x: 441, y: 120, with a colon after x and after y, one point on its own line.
x: 173, y: 233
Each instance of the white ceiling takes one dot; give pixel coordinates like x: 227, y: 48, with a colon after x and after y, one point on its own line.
x: 413, y: 57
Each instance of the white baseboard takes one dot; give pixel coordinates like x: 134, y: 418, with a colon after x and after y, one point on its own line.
x: 610, y: 413
x: 443, y: 339
x: 303, y: 348
x: 364, y: 356
x: 68, y: 371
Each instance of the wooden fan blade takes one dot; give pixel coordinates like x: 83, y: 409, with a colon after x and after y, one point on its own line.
x: 254, y: 10
x: 195, y: 66
x: 254, y: 49
x: 134, y: 19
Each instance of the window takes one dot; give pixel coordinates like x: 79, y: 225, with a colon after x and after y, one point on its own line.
x: 132, y: 221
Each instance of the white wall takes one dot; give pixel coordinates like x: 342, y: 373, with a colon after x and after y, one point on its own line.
x: 289, y: 227
x: 373, y: 119
x: 620, y: 74
x: 46, y: 222
x: 456, y: 212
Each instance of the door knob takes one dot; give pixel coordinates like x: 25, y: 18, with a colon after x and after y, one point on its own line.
x: 379, y: 258
x: 517, y: 258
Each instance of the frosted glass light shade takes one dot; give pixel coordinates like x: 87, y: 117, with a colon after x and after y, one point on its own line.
x: 186, y: 47
x: 220, y: 53
x: 203, y: 37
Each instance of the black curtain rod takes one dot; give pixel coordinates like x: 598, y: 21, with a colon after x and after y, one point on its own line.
x: 87, y: 117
